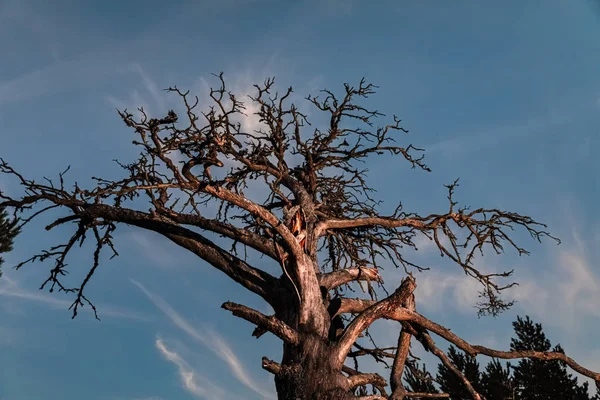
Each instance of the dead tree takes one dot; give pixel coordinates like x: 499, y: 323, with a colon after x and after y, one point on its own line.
x: 318, y: 222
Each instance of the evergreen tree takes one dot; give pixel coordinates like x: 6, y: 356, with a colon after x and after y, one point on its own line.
x: 582, y: 392
x: 496, y: 381
x: 8, y: 231
x: 448, y: 381
x: 537, y: 379
x: 421, y: 383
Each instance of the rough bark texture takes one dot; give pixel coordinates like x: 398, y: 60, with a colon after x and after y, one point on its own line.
x: 308, y: 372
x: 315, y: 219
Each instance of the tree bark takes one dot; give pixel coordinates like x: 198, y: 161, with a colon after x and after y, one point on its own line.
x: 308, y: 372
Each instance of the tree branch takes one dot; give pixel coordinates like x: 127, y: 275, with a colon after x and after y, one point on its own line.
x: 254, y: 279
x: 271, y: 366
x: 338, y: 278
x: 385, y: 236
x: 270, y: 323
x: 244, y: 236
x: 259, y: 212
x: 398, y: 391
x: 368, y: 316
x: 446, y: 361
x: 404, y: 315
x: 360, y: 379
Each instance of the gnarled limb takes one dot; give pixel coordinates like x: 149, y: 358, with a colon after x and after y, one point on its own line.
x: 446, y: 361
x: 377, y: 353
x: 338, y: 278
x: 398, y: 391
x: 271, y: 366
x: 356, y: 379
x: 368, y: 316
x: 89, y: 215
x: 270, y: 323
x: 360, y: 379
x: 244, y: 236
x: 405, y: 315
x: 474, y: 350
x: 483, y: 227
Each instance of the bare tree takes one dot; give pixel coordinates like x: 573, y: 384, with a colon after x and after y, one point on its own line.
x: 318, y: 222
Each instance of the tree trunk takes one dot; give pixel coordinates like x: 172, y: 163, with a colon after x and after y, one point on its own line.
x: 307, y: 372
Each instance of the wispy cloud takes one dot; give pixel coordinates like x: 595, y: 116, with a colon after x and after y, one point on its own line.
x: 425, y: 244
x: 569, y: 285
x: 191, y: 380
x: 149, y: 95
x: 488, y: 138
x: 158, y: 251
x: 10, y: 288
x: 210, y: 339
x: 577, y: 282
x: 80, y: 71
x: 158, y: 95
x: 435, y: 286
x: 146, y: 93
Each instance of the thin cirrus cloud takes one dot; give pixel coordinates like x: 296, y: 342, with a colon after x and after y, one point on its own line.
x: 459, y: 145
x: 81, y: 71
x: 11, y: 288
x: 158, y: 252
x: 211, y: 340
x: 191, y: 380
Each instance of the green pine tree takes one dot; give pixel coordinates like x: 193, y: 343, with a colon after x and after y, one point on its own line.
x: 420, y: 383
x: 582, y: 392
x: 541, y: 380
x: 496, y: 381
x: 448, y: 381
x: 8, y: 231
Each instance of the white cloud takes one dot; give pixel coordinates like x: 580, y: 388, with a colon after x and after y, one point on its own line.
x: 530, y: 295
x: 489, y: 138
x: 158, y: 250
x: 211, y: 340
x: 578, y: 286
x: 435, y: 286
x: 151, y: 87
x: 10, y: 288
x: 81, y: 71
x: 569, y: 286
x: 147, y: 94
x: 424, y: 244
x: 191, y: 380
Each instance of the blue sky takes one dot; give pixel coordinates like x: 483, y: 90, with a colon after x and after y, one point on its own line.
x: 505, y: 97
